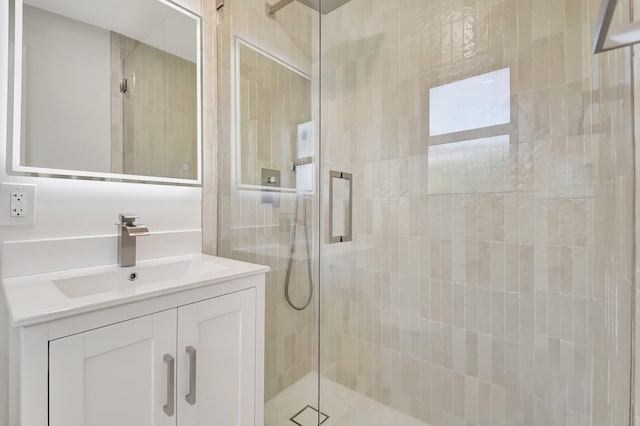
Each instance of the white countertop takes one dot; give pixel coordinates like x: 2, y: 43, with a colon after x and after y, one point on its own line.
x: 34, y: 299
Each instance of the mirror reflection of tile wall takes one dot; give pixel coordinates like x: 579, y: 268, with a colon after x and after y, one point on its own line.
x: 159, y: 111
x: 274, y: 100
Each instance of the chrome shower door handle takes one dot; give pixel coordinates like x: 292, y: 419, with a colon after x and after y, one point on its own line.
x: 169, y: 407
x: 191, y: 396
x: 340, y: 207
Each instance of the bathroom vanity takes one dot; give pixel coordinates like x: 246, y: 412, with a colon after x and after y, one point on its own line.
x: 171, y: 341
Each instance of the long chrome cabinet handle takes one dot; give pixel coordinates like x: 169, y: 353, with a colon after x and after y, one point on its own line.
x: 191, y: 396
x: 169, y: 407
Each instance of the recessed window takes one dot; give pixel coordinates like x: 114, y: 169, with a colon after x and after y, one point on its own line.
x: 478, y: 102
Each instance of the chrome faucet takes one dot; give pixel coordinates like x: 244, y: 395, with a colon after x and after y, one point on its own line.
x: 129, y: 231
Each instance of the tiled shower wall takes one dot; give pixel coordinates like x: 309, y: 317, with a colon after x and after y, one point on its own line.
x: 249, y: 229
x: 489, y: 280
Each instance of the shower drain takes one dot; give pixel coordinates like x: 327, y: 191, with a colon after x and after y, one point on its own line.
x: 308, y: 416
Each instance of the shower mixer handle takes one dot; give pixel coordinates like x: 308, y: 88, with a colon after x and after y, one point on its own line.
x: 300, y: 162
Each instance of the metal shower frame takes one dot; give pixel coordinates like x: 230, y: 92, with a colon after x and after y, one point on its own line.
x: 605, y: 37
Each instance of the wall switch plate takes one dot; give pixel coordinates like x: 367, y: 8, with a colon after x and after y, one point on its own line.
x: 17, y: 205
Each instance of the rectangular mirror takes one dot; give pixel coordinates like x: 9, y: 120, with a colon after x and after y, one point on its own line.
x: 274, y: 129
x: 106, y: 89
x: 340, y: 206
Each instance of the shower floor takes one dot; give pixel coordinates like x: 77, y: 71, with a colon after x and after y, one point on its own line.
x: 343, y: 406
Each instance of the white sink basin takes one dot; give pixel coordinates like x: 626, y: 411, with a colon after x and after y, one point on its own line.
x: 122, y: 279
x: 33, y: 299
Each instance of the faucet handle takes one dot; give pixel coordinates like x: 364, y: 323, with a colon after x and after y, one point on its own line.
x: 128, y: 218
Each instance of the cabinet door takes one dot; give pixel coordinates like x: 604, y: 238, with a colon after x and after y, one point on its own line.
x: 115, y: 375
x: 222, y: 332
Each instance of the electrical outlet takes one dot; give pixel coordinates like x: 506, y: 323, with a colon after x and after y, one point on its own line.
x: 18, y: 197
x: 17, y: 205
x: 18, y: 212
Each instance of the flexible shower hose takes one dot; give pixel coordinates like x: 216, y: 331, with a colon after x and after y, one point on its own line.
x: 292, y: 248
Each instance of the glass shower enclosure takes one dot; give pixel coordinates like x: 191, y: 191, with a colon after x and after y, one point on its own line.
x: 448, y: 186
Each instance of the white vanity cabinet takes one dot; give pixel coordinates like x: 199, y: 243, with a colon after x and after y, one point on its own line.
x: 133, y: 374
x: 216, y: 347
x: 192, y: 355
x: 114, y: 375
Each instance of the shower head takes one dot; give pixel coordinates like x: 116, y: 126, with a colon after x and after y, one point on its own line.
x: 327, y: 6
x: 324, y: 6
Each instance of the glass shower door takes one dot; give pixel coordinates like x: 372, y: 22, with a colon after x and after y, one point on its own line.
x: 488, y: 280
x: 267, y: 158
x: 477, y: 267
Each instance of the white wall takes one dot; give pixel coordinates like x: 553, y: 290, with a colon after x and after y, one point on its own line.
x: 66, y: 93
x: 69, y: 208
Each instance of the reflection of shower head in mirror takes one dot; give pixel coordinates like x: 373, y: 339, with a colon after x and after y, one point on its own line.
x: 305, y: 175
x: 300, y: 162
